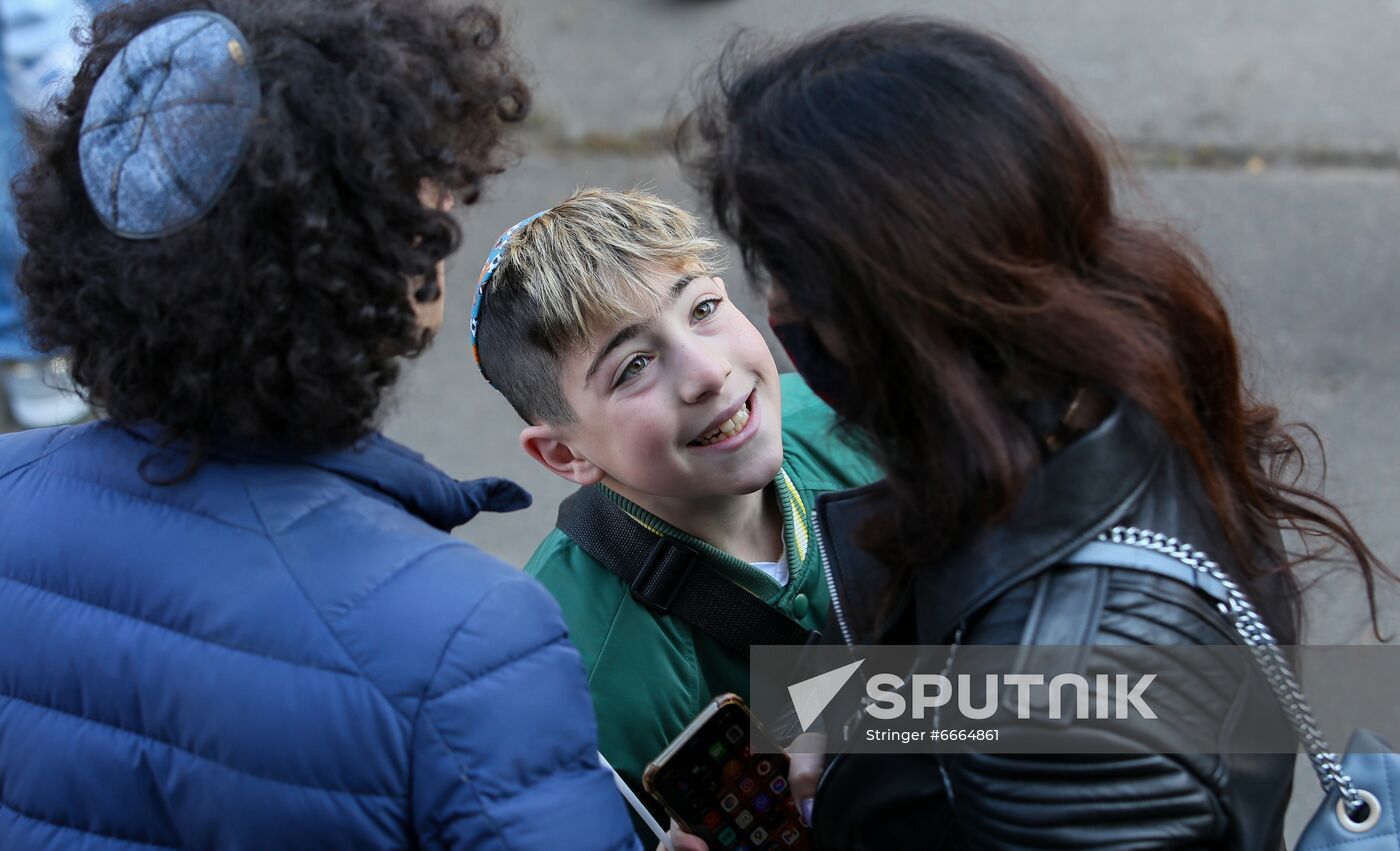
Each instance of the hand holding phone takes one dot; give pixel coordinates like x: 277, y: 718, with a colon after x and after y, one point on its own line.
x: 726, y: 788
x: 682, y: 841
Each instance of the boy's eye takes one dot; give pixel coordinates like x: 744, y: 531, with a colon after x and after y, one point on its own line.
x: 634, y: 367
x: 705, y: 309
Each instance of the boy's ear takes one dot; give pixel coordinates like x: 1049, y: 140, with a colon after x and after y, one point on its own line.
x: 547, y: 446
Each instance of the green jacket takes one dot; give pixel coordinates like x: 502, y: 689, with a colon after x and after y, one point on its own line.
x: 650, y: 675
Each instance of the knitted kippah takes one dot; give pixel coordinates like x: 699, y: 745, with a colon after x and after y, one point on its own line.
x: 167, y: 125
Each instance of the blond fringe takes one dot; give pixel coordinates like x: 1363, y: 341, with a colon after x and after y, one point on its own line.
x: 593, y: 260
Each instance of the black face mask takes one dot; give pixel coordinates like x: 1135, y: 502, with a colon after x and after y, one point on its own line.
x: 827, y: 377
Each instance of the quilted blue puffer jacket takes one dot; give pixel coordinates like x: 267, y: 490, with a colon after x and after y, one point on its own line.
x: 282, y: 652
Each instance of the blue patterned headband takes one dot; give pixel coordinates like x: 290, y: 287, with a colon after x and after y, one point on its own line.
x: 493, y: 261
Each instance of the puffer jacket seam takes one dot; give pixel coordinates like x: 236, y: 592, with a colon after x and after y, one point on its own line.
x: 580, y: 767
x: 577, y: 767
x: 496, y: 669
x: 183, y: 509
x: 352, y: 604
x: 320, y: 615
x: 421, y: 712
x: 423, y: 696
x: 68, y: 827
x: 192, y: 754
x: 495, y: 827
x: 43, y: 453
x: 293, y: 521
x: 306, y: 666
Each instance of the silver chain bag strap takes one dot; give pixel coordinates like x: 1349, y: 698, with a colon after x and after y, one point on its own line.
x: 1352, y: 813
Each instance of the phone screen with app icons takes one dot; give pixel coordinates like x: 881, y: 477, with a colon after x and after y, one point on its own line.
x: 730, y: 796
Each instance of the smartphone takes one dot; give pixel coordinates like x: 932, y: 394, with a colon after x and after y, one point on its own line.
x: 725, y: 788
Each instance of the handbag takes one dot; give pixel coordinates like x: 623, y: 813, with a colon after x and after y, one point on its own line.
x: 1362, y: 788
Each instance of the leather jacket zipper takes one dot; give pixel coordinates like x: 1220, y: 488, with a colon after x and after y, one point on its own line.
x: 831, y: 582
x: 845, y: 634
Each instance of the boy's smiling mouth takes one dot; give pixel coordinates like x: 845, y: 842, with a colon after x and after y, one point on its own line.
x: 730, y: 426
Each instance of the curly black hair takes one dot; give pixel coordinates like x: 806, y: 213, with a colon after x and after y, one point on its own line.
x: 281, y: 316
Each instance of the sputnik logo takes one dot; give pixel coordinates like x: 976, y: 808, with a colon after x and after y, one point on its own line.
x: 811, y: 696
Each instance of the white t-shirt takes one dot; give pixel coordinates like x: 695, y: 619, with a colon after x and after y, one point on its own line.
x: 776, y: 569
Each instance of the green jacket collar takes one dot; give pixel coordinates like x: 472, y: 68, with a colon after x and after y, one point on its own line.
x: 797, y: 535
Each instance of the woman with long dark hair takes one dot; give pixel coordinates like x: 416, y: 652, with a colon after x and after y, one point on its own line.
x: 946, y: 265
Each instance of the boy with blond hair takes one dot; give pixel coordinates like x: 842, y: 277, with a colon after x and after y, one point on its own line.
x: 603, y: 323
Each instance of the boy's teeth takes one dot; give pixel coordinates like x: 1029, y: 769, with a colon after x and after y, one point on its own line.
x: 728, y: 428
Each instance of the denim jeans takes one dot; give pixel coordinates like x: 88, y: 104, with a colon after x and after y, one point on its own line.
x: 34, y: 34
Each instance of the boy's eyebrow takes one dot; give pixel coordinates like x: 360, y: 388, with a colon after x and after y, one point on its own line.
x: 636, y: 328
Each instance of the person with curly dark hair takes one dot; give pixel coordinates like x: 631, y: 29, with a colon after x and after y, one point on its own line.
x: 231, y: 613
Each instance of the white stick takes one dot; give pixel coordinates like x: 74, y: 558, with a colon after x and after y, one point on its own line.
x: 637, y: 805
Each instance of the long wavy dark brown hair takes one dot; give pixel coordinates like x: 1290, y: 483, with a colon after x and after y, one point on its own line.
x: 932, y: 193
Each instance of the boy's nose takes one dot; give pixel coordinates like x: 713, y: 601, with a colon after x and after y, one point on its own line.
x: 706, y: 370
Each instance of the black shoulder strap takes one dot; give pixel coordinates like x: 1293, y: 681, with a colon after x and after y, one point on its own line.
x: 1128, y: 557
x: 670, y: 578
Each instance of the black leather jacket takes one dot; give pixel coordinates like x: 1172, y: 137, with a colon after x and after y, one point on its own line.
x: 1009, y: 587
